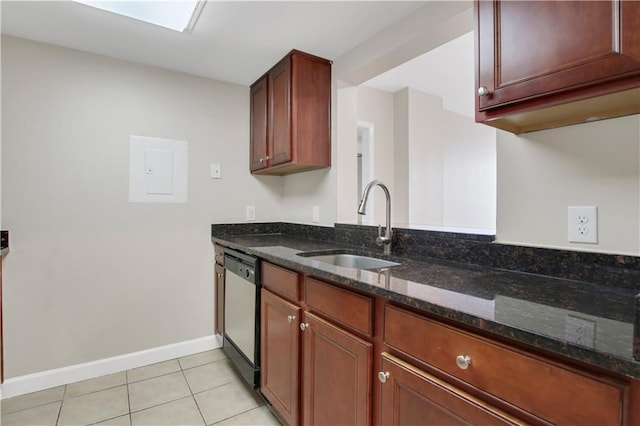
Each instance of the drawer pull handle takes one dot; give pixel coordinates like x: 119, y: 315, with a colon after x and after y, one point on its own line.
x: 304, y: 326
x: 383, y: 376
x: 463, y: 361
x: 290, y: 318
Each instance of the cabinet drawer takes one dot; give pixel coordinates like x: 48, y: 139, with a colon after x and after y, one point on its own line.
x: 555, y: 393
x: 219, y: 254
x: 410, y: 396
x: 281, y: 281
x: 344, y: 307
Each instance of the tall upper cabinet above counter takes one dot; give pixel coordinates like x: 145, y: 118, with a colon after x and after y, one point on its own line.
x: 545, y: 64
x: 291, y: 116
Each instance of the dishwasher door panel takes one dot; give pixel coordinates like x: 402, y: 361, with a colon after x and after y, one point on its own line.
x: 240, y: 313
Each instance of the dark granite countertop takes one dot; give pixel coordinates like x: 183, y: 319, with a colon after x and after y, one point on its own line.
x: 544, y: 312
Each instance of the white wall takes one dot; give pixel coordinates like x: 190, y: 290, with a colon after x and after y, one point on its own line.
x: 452, y: 164
x: 346, y: 149
x: 401, y: 172
x: 89, y: 274
x: 376, y: 107
x: 542, y: 173
x: 303, y: 191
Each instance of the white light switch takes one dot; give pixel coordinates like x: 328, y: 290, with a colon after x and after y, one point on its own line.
x: 216, y: 173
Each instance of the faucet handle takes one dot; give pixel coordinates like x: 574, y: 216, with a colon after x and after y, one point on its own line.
x: 379, y: 230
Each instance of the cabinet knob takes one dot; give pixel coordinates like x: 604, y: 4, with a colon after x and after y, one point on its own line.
x: 267, y: 158
x: 262, y: 160
x: 304, y: 326
x: 220, y: 276
x: 383, y: 376
x: 463, y: 361
x: 483, y: 91
x: 290, y: 318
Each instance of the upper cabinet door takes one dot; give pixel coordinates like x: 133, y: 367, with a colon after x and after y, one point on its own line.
x: 535, y: 54
x: 295, y: 136
x: 259, y: 116
x: 533, y: 48
x: 280, y: 112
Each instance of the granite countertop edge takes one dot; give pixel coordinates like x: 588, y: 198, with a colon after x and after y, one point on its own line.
x: 594, y: 357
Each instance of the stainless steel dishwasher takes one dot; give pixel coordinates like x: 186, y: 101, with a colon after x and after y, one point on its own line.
x: 242, y: 314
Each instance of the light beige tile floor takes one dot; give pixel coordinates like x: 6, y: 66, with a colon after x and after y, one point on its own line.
x: 201, y: 389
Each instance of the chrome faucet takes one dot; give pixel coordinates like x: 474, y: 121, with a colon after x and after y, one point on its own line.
x: 385, y: 239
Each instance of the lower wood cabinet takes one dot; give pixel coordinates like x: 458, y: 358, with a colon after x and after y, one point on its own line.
x: 336, y: 375
x: 314, y: 371
x: 540, y: 387
x: 410, y: 396
x: 280, y: 355
x: 332, y: 356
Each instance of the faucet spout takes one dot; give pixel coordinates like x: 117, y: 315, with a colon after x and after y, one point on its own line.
x: 382, y: 240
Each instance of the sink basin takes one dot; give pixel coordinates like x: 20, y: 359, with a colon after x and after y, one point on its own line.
x: 351, y: 260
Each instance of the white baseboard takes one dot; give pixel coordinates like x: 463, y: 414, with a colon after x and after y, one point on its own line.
x: 61, y: 376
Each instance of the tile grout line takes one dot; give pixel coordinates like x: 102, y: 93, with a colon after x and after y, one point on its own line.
x: 237, y: 414
x: 193, y: 396
x: 126, y: 380
x: 64, y: 392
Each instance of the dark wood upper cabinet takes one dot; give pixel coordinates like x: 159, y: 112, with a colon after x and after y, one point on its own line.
x: 291, y: 116
x: 258, y: 144
x: 543, y: 64
x: 280, y: 147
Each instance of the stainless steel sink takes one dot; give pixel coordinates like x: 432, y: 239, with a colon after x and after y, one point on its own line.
x: 351, y: 260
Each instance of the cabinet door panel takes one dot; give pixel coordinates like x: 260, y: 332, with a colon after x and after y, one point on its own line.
x: 280, y: 112
x: 336, y: 377
x: 412, y: 397
x: 258, y: 129
x: 280, y: 355
x: 529, y: 49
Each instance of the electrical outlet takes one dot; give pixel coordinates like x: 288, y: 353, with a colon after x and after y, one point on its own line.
x: 251, y: 213
x: 583, y: 224
x: 580, y: 331
x: 316, y: 214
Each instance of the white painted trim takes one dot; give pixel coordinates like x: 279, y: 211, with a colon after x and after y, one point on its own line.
x: 73, y: 373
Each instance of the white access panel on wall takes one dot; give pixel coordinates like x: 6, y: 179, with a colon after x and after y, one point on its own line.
x: 157, y: 170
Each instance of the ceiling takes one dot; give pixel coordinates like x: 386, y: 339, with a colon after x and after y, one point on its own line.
x: 234, y: 41
x: 446, y: 71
